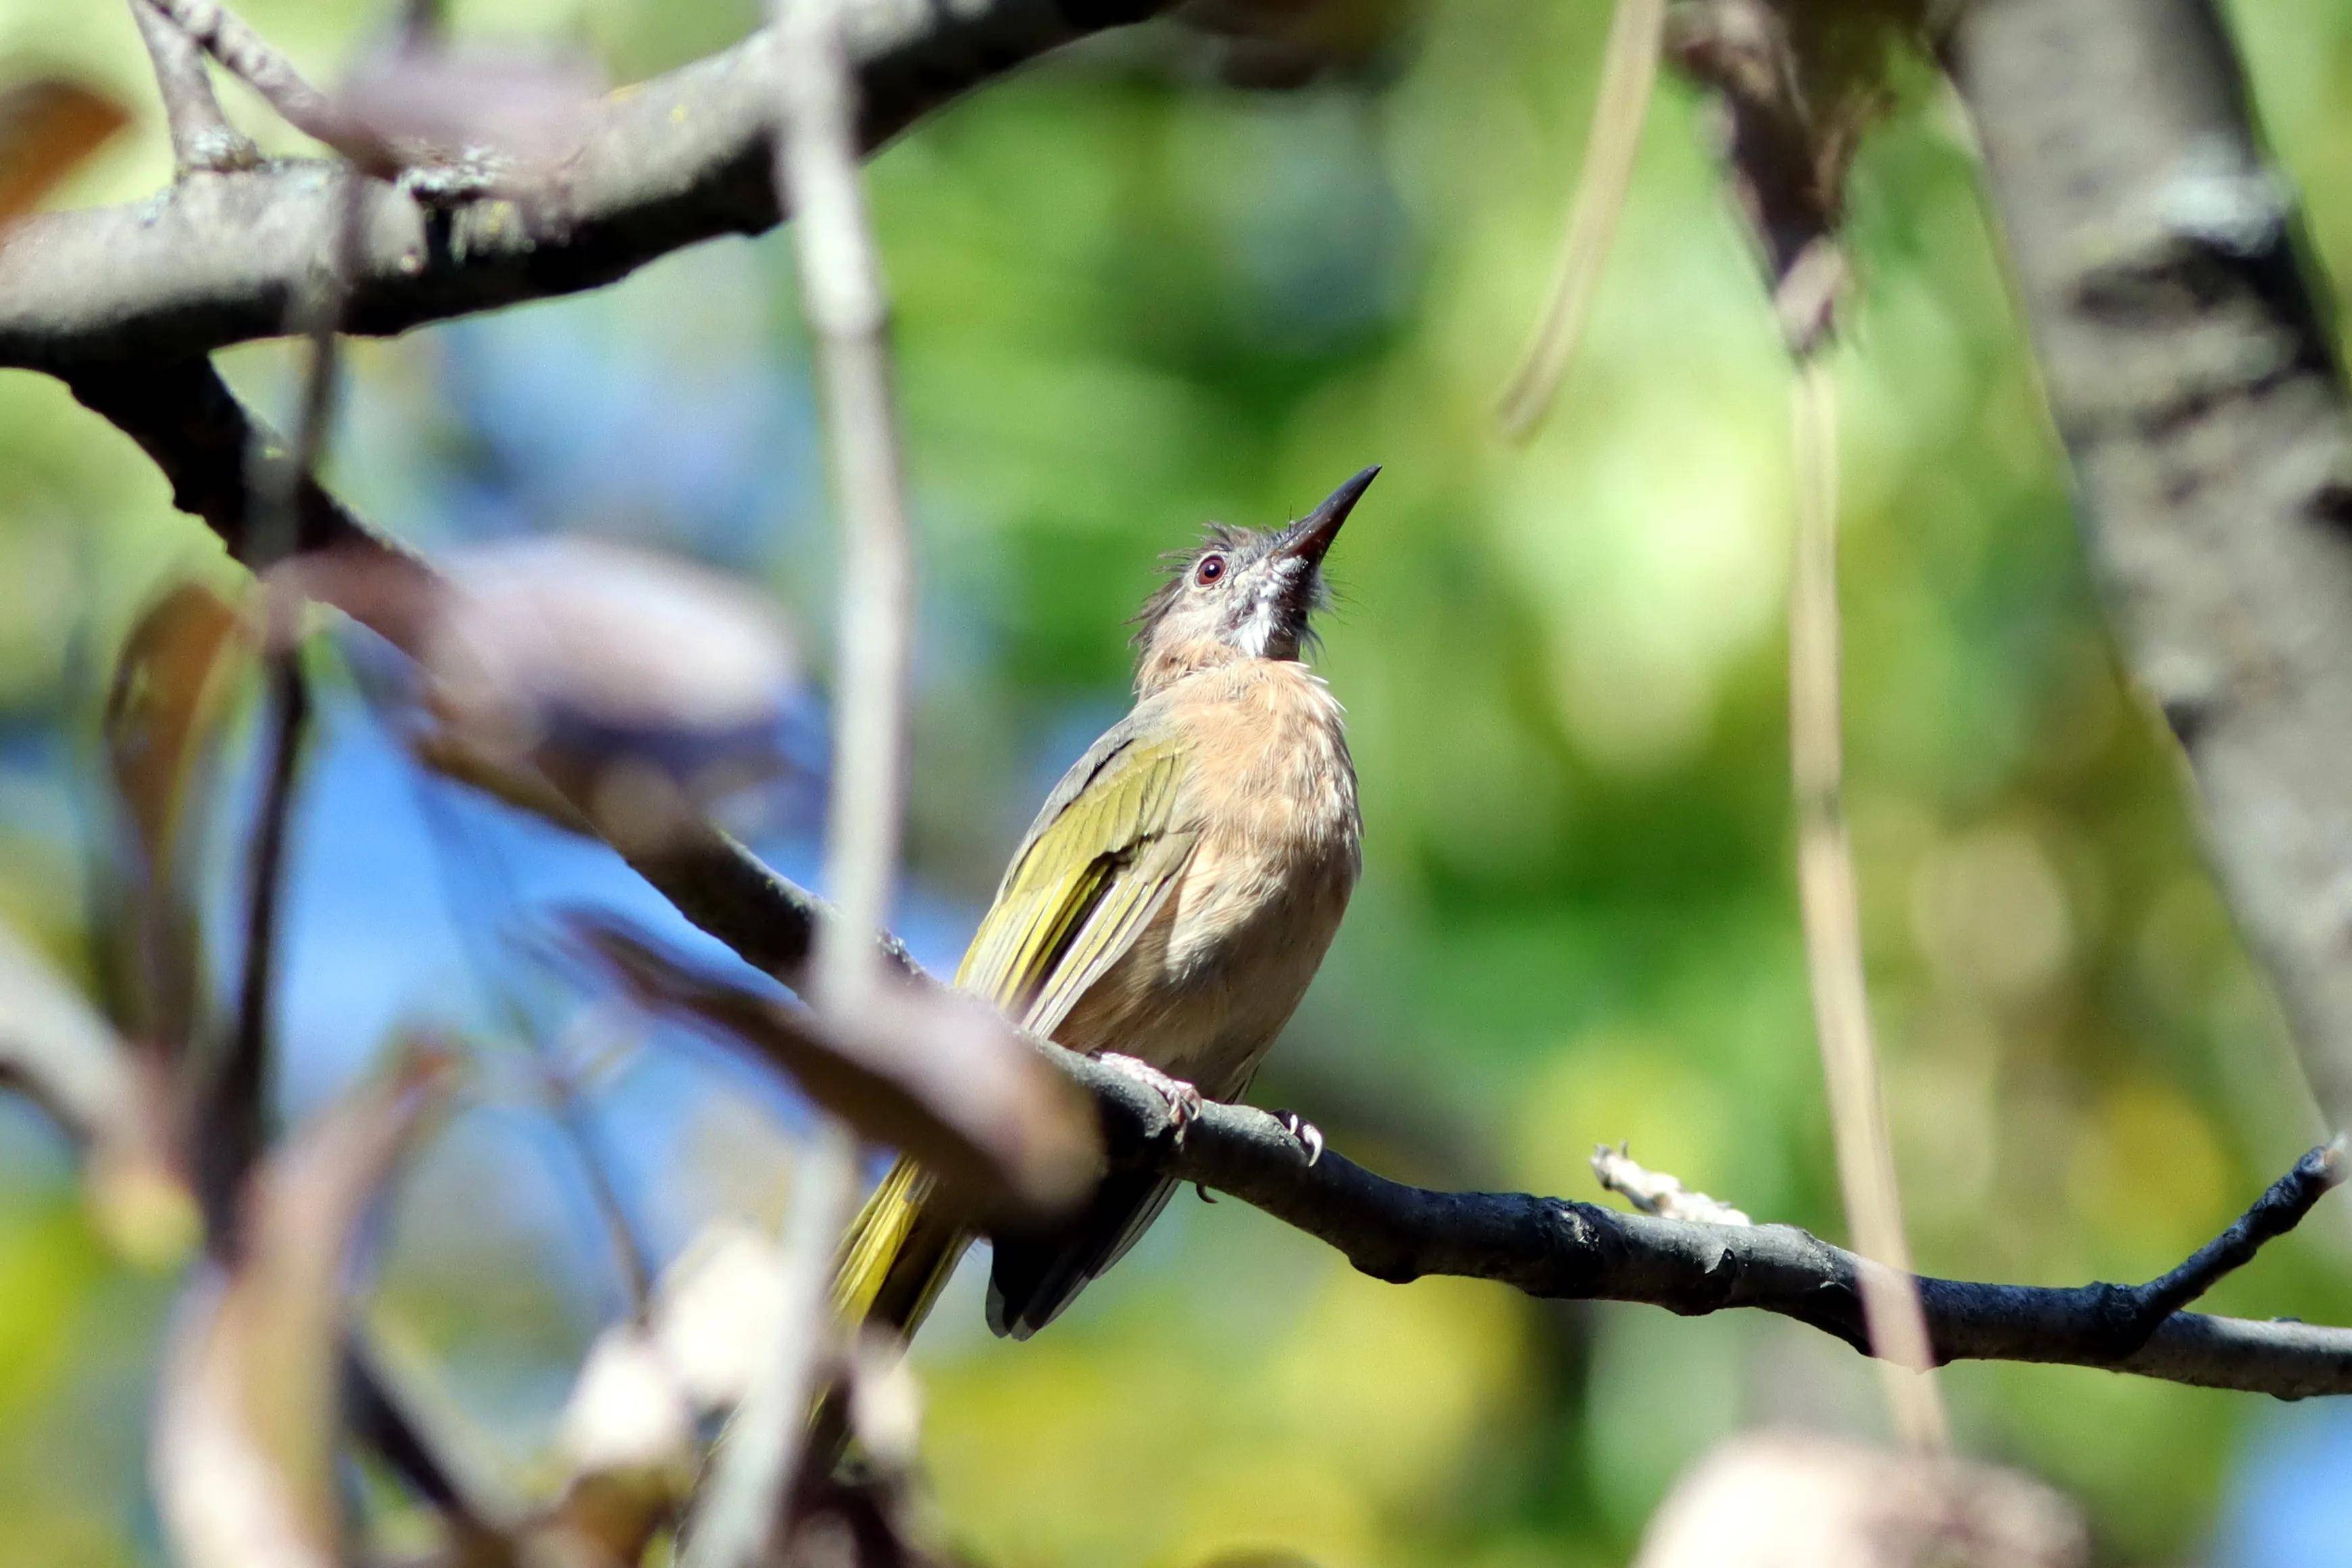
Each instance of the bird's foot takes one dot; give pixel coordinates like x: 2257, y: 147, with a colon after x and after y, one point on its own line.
x: 1308, y: 1136
x: 1184, y: 1101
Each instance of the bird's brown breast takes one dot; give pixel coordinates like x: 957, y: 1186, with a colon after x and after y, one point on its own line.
x: 1271, y: 793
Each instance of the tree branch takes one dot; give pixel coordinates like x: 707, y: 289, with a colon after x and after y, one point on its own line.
x: 1557, y: 1248
x: 202, y: 138
x: 684, y: 157
x: 2193, y: 376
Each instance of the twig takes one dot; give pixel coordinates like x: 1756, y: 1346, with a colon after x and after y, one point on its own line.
x: 759, y: 1453
x: 1553, y: 1247
x: 232, y: 1127
x: 2275, y: 1213
x: 203, y: 140
x: 842, y: 296
x: 1830, y: 909
x: 248, y: 56
x: 1629, y: 72
x: 1656, y: 1191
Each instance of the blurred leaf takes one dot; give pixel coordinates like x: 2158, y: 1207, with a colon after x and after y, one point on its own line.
x: 533, y: 107
x: 56, y: 1049
x: 717, y: 1312
x: 247, y: 1418
x: 629, y: 1436
x: 167, y: 684
x: 171, y: 685
x: 931, y: 1072
x: 632, y: 685
x: 1782, y: 1500
x: 46, y: 128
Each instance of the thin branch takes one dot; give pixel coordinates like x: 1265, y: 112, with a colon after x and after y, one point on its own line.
x: 2275, y: 1213
x: 1554, y: 1248
x: 759, y: 1453
x: 685, y: 157
x: 1831, y: 909
x: 203, y: 140
x: 233, y: 1121
x: 248, y: 56
x: 843, y: 297
x: 1628, y: 73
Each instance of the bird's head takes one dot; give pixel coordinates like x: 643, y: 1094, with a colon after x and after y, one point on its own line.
x: 1242, y: 594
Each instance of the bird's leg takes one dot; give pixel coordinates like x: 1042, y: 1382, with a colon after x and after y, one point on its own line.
x: 1184, y: 1100
x: 1309, y: 1136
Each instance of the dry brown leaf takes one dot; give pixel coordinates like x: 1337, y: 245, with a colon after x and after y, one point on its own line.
x: 632, y: 687
x: 171, y: 688
x: 245, y: 1425
x: 1795, y: 1501
x: 46, y: 128
x: 532, y: 106
x: 931, y: 1072
x: 169, y: 682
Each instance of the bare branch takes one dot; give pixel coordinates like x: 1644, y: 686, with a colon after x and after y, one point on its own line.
x: 248, y: 56
x: 843, y: 297
x: 203, y: 140
x: 2275, y: 1213
x: 232, y: 1123
x: 2194, y: 378
x: 758, y: 1453
x: 1554, y: 1248
x: 681, y: 158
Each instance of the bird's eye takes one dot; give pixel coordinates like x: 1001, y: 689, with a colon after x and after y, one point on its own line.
x: 1210, y: 568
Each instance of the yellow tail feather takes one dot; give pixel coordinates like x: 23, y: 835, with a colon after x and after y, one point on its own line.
x: 897, y: 1255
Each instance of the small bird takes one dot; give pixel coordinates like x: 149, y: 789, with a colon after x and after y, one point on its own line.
x: 1169, y: 906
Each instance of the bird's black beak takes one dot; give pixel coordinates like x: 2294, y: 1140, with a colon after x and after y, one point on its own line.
x: 1312, y: 535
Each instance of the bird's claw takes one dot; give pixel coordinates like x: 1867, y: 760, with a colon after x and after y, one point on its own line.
x: 1184, y: 1100
x: 1308, y: 1136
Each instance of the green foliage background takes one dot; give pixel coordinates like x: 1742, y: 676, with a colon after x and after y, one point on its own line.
x: 1127, y: 303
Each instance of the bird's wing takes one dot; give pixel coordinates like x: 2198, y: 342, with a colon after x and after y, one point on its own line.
x: 1102, y: 856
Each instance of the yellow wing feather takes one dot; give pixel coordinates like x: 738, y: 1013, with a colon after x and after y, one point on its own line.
x: 1098, y: 864
x: 1082, y: 886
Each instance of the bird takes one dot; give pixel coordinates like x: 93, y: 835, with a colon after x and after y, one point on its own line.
x: 1167, y: 909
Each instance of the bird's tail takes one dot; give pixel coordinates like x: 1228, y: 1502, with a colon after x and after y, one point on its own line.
x: 897, y: 1255
x: 894, y: 1260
